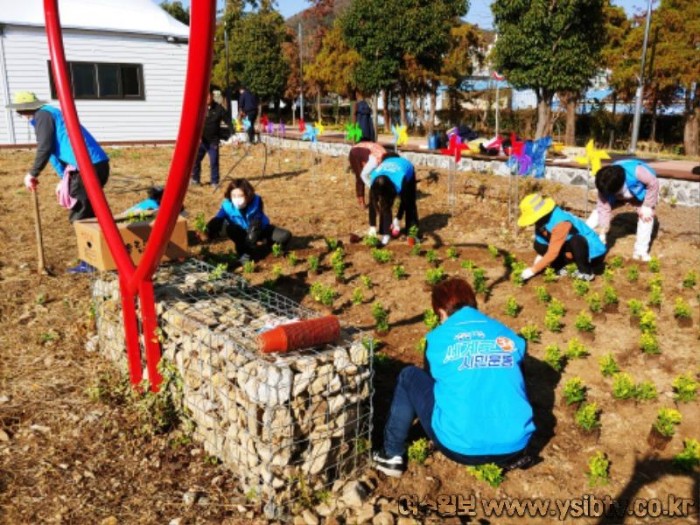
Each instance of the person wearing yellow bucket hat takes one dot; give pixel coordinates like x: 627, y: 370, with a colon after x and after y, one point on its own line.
x: 560, y: 238
x: 53, y: 145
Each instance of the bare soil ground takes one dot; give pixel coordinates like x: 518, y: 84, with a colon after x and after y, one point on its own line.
x: 75, y: 448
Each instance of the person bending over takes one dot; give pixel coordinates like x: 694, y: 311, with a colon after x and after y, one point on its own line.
x: 395, y: 176
x: 363, y: 158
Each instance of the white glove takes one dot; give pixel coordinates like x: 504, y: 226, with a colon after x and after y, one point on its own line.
x: 395, y: 227
x: 385, y: 240
x: 603, y: 238
x: 526, y: 274
x: 30, y: 182
x: 646, y: 214
x: 372, y: 232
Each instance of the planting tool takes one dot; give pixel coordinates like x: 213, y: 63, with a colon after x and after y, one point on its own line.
x: 41, y: 265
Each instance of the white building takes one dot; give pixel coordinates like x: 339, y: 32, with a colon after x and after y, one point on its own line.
x: 127, y: 60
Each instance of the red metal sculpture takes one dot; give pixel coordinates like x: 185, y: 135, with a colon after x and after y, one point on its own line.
x: 137, y: 280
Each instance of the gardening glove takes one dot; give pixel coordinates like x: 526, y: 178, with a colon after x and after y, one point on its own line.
x: 395, y: 227
x: 646, y: 214
x: 372, y: 232
x: 30, y: 182
x: 526, y: 274
x: 386, y: 239
x: 603, y: 238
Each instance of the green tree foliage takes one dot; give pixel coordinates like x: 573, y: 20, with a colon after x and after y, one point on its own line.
x: 177, y: 11
x: 548, y: 46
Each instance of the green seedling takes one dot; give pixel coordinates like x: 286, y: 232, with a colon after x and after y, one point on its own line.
x: 323, y: 294
x: 574, y: 391
x: 647, y: 322
x: 557, y: 307
x: 595, y: 303
x: 667, y: 419
x: 598, y: 470
x: 633, y: 274
x: 249, y: 266
x: 690, y: 279
x: 646, y: 391
x: 609, y: 275
x: 588, y: 417
x: 200, y: 223
x: 431, y: 319
x: 655, y: 297
x: 218, y: 272
x: 512, y: 307
x: 380, y: 359
x: 277, y: 250
x: 48, y: 337
x: 571, y: 268
x: 654, y: 265
x: 413, y: 231
x: 685, y: 388
x: 681, y: 309
x: 531, y: 333
x: 549, y: 275
x: 452, y: 253
x: 358, y: 296
x: 418, y: 451
x: 371, y: 343
x: 581, y: 287
x: 338, y: 264
x: 366, y: 281
x: 649, y: 344
x: 552, y: 321
x: 434, y: 275
x: 381, y: 318
x: 292, y: 259
x: 543, y: 295
x: 416, y: 250
x: 313, y: 262
x: 584, y: 322
x: 276, y: 271
x: 492, y: 250
x: 623, y: 386
x: 516, y: 273
x: 608, y: 365
x: 489, y: 473
x: 381, y: 255
x: 331, y: 243
x: 689, y: 458
x: 371, y: 240
x: 431, y: 256
x: 610, y: 297
x: 479, y: 280
x: 422, y: 345
x: 616, y: 262
x: 656, y: 281
x: 553, y: 357
x: 575, y: 349
x: 468, y: 265
x: 635, y: 307
x: 399, y: 272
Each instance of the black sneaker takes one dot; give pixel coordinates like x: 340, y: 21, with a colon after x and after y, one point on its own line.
x: 391, y: 466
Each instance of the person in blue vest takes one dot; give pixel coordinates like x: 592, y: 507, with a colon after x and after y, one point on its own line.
x: 242, y: 218
x: 470, y: 397
x: 560, y: 238
x: 53, y: 145
x: 627, y: 182
x: 395, y: 176
x: 151, y: 203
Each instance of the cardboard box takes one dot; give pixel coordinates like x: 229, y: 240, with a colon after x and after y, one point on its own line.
x: 93, y: 249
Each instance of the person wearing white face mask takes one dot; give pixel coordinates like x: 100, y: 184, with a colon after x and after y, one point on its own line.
x: 243, y: 220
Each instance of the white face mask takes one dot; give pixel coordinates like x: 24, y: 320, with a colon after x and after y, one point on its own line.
x: 238, y: 202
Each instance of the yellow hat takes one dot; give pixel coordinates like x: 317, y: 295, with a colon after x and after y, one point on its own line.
x: 533, y: 207
x: 25, y: 101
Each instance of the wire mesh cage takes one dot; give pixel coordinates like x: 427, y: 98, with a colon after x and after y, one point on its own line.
x: 288, y: 425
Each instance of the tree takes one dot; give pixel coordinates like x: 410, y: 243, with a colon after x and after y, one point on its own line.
x: 177, y: 11
x: 548, y: 46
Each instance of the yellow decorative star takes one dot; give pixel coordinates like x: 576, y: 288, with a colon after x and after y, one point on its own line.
x: 320, y: 127
x: 401, y: 135
x: 593, y: 157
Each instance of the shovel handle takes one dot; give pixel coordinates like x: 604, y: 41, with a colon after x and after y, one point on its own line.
x: 41, y: 266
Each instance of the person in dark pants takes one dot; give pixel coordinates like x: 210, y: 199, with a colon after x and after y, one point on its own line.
x: 470, y: 396
x: 243, y: 219
x: 363, y: 118
x: 53, y: 145
x: 560, y: 238
x: 395, y: 176
x: 211, y: 136
x: 248, y: 107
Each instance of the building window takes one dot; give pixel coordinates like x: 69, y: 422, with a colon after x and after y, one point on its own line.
x: 91, y: 81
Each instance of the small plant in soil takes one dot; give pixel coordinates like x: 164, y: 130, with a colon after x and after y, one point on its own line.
x: 422, y: 345
x: 468, y: 265
x: 358, y: 296
x: 690, y: 279
x: 249, y: 266
x: 552, y: 321
x: 292, y: 259
x: 598, y: 470
x: 370, y: 342
x: 666, y: 421
x: 413, y: 232
x: 656, y: 281
x: 512, y: 307
x: 595, y: 303
x: 276, y: 271
x: 331, y: 243
x: 616, y: 262
x: 381, y: 255
x: 646, y: 391
x: 515, y: 273
x: 610, y: 297
x: 654, y: 265
x: 489, y: 473
x: 431, y: 319
x: 633, y: 274
x: 381, y: 318
x: 313, y: 263
x: 543, y: 295
x: 689, y: 458
x: 557, y: 307
x: 649, y: 344
x: 571, y: 268
x: 655, y: 297
x: 635, y: 307
x: 609, y: 275
x: 581, y: 287
x: 371, y: 240
x: 584, y: 322
x: 479, y: 280
x: 338, y: 264
x: 574, y: 391
x: 608, y: 365
x: 415, y: 250
x: 418, y: 451
x: 399, y: 272
x: 623, y: 386
x: 553, y: 357
x: 531, y: 333
x: 200, y: 223
x: 366, y: 281
x: 647, y: 322
x: 434, y: 275
x: 685, y: 388
x: 323, y: 294
x: 452, y: 253
x: 492, y: 250
x: 218, y: 272
x: 549, y: 275
x: 277, y: 250
x: 575, y: 349
x: 681, y: 309
x: 431, y: 256
x: 587, y: 417
x: 380, y: 359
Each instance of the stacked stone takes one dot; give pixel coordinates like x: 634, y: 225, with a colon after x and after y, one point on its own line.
x: 287, y: 424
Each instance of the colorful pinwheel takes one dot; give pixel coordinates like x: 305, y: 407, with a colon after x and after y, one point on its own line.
x: 400, y: 135
x: 538, y: 155
x: 281, y: 128
x: 264, y: 121
x: 310, y: 133
x: 593, y: 157
x: 353, y: 133
x: 269, y: 128
x: 237, y: 125
x: 302, y: 125
x: 455, y: 147
x: 246, y: 123
x: 320, y: 127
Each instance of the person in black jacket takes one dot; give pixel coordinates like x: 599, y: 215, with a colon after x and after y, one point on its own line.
x: 363, y: 117
x: 211, y: 135
x: 248, y: 107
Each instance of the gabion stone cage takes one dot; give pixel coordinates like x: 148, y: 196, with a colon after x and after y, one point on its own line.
x: 288, y: 425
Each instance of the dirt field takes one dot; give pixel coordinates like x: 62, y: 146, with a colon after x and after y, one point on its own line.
x: 74, y: 448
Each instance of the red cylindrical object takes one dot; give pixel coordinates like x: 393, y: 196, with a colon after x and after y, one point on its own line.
x: 302, y: 334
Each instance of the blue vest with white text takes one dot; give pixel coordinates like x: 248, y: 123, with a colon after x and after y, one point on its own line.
x: 595, y: 247
x: 396, y: 169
